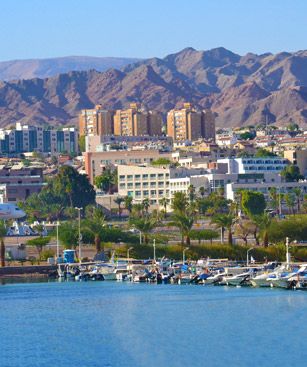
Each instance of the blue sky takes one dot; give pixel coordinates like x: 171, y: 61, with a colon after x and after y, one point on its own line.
x: 145, y: 28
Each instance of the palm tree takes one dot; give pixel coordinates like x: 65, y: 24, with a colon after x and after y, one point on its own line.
x: 184, y: 223
x: 146, y: 204
x: 128, y: 203
x: 119, y: 200
x: 180, y: 202
x: 225, y: 221
x: 290, y: 201
x: 95, y: 227
x: 2, y: 246
x: 263, y: 222
x: 144, y: 224
x: 298, y: 193
x: 273, y: 198
x: 191, y: 193
x: 164, y: 202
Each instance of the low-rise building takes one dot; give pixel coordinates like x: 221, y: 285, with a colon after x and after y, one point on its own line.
x: 18, y: 183
x: 96, y: 162
x: 254, y: 165
x: 27, y: 138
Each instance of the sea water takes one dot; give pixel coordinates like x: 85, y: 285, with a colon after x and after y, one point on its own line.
x: 96, y: 324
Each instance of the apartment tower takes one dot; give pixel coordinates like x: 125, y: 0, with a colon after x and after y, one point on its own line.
x: 190, y: 124
x: 96, y: 121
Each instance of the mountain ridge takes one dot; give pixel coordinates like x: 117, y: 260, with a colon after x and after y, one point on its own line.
x: 241, y: 90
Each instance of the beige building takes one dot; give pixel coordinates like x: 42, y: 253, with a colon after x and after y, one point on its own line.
x: 143, y: 183
x: 155, y: 183
x: 299, y: 158
x: 96, y: 121
x: 135, y: 121
x: 96, y: 162
x: 190, y: 124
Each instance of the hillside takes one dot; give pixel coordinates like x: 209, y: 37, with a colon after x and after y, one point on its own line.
x: 242, y: 90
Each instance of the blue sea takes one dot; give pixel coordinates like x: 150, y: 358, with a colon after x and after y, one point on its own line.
x: 97, y: 324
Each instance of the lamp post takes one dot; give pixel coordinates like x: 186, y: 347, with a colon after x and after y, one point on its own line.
x: 287, y: 253
x: 128, y: 258
x: 154, y: 249
x: 247, y: 255
x: 79, y: 237
x: 57, y: 241
x: 183, y: 255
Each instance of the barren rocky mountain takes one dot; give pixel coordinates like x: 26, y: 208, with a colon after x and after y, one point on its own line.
x: 43, y: 68
x: 242, y: 90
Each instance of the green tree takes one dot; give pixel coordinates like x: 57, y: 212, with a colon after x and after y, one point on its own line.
x: 184, y: 223
x: 291, y: 173
x: 106, y: 180
x: 225, y: 221
x: 128, y: 203
x: 290, y: 201
x: 191, y: 193
x: 263, y: 222
x: 95, y: 227
x: 69, y: 234
x: 263, y: 153
x: 39, y: 243
x: 297, y: 191
x: 2, y: 245
x: 119, y: 200
x: 164, y: 203
x: 146, y: 204
x: 144, y: 224
x: 161, y: 162
x: 204, y: 234
x: 273, y: 196
x: 180, y: 202
x: 253, y: 203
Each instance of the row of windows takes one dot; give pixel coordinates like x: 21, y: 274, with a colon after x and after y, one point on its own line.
x: 261, y: 161
x: 130, y: 185
x: 145, y: 193
x: 262, y: 168
x: 144, y: 176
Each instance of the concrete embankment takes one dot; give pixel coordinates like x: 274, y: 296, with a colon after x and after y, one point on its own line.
x: 43, y: 270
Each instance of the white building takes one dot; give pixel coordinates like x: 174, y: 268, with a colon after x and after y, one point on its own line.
x: 264, y: 187
x: 254, y: 165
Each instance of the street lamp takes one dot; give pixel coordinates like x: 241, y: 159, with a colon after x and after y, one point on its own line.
x: 79, y: 237
x: 287, y: 253
x: 128, y: 258
x: 154, y: 248
x: 57, y: 241
x: 247, y: 255
x: 183, y: 255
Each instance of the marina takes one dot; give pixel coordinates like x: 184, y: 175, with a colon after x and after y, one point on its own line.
x: 202, y: 272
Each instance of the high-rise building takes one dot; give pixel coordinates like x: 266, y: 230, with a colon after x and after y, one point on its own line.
x: 136, y: 121
x: 190, y: 124
x: 96, y: 121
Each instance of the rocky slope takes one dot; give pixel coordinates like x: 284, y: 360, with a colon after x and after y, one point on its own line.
x: 242, y: 90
